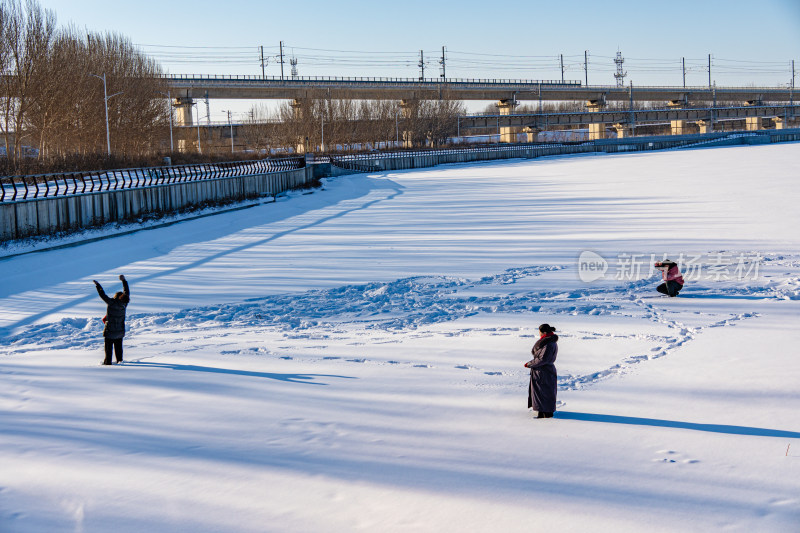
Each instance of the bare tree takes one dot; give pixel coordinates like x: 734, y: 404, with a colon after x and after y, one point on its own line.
x: 27, y: 37
x: 260, y: 130
x: 68, y: 115
x: 350, y: 124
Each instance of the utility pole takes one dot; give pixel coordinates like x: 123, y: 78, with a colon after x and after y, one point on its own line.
x: 443, y: 66
x: 713, y: 105
x: 322, y: 130
x: 562, y: 68
x: 683, y: 66
x: 230, y: 124
x: 281, y: 60
x: 262, y: 63
x: 540, y: 97
x: 791, y: 89
x: 421, y: 66
x: 709, y: 71
x: 632, y: 116
x: 586, y: 67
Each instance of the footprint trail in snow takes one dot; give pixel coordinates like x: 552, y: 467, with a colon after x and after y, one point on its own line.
x: 624, y: 318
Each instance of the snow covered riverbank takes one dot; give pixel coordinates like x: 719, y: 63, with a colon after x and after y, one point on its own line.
x: 352, y: 359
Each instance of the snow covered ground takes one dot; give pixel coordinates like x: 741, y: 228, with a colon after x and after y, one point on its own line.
x: 351, y: 360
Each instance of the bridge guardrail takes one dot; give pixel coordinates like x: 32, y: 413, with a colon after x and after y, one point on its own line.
x: 356, y: 79
x: 437, y: 81
x: 754, y: 108
x: 14, y: 188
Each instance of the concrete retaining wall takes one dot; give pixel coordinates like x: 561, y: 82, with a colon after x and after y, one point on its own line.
x: 44, y: 216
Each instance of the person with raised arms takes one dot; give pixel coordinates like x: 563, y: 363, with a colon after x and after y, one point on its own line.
x: 114, y: 330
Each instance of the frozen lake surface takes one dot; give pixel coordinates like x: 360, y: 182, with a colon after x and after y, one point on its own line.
x: 351, y: 359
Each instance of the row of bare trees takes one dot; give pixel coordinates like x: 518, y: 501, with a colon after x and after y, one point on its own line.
x: 52, y: 94
x: 318, y: 123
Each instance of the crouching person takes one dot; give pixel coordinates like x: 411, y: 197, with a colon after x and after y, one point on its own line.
x: 671, y: 275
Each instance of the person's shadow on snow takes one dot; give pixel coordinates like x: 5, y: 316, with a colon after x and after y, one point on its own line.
x: 713, y: 428
x: 307, y: 379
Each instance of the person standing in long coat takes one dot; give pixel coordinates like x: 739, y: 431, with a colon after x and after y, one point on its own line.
x: 544, y: 379
x: 115, y: 319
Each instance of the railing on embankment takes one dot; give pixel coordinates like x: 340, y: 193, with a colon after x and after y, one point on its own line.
x: 378, y: 162
x: 126, y: 195
x: 42, y: 205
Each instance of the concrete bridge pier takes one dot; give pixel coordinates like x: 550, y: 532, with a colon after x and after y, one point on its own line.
x: 597, y: 130
x: 508, y: 134
x: 706, y: 126
x: 183, y: 117
x: 531, y: 133
x: 678, y: 127
x: 183, y: 111
x: 753, y: 123
x: 623, y: 131
x: 780, y: 123
x: 682, y: 103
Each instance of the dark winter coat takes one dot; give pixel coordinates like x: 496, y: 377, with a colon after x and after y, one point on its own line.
x: 544, y: 380
x: 115, y: 313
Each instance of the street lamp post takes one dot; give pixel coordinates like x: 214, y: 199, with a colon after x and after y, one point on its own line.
x: 230, y: 124
x: 105, y: 100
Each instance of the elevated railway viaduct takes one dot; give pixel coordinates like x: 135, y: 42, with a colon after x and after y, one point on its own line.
x: 697, y: 105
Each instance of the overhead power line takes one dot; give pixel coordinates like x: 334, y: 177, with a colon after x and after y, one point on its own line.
x: 479, y: 64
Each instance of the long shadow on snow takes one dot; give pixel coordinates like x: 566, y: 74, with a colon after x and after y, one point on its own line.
x: 291, y: 378
x: 712, y: 428
x: 446, y: 474
x: 728, y: 297
x: 371, y: 184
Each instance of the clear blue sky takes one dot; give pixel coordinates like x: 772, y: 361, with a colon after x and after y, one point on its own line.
x: 750, y: 42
